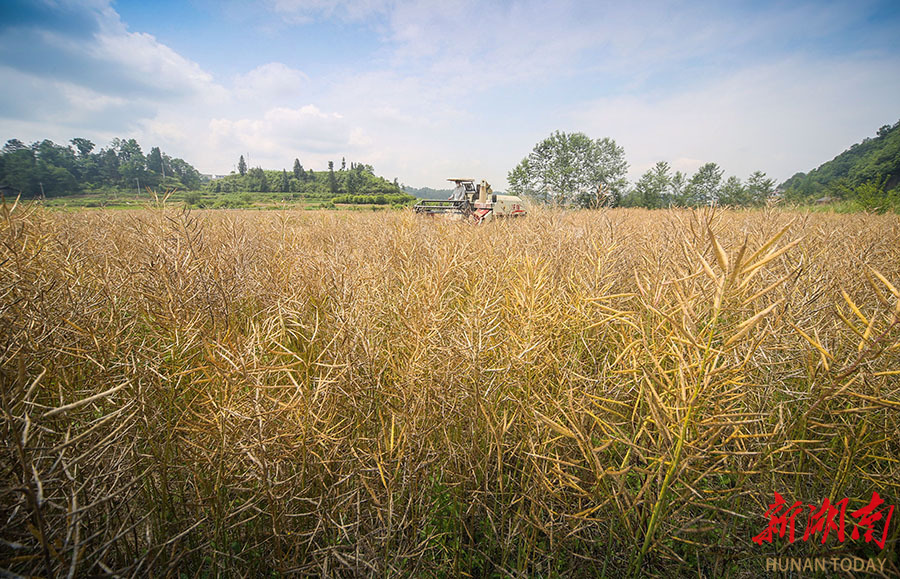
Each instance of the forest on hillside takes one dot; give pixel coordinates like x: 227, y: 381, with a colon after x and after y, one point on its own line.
x: 868, y: 172
x: 46, y: 169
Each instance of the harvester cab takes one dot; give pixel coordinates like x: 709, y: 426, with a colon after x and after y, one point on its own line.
x: 474, y: 203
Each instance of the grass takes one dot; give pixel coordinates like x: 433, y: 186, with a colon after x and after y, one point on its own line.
x: 279, y: 393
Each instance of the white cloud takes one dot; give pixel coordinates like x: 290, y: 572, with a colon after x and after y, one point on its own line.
x: 475, y: 45
x: 780, y: 118
x: 93, y: 80
x: 274, y: 82
x: 299, y: 11
x: 84, y: 99
x: 140, y: 59
x: 466, y: 86
x: 283, y: 133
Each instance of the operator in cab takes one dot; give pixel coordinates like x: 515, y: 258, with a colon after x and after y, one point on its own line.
x: 459, y: 194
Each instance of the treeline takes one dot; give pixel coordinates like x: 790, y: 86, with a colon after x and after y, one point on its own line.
x: 356, y: 184
x: 659, y: 188
x: 868, y: 173
x: 572, y: 169
x: 45, y: 169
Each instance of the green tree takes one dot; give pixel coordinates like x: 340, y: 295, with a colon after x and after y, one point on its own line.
x: 86, y: 162
x: 187, y: 175
x: 677, y: 186
x: 155, y: 161
x: 332, y: 180
x: 703, y: 188
x: 572, y: 169
x: 19, y: 168
x: 55, y: 167
x: 49, y: 153
x: 758, y: 189
x: 41, y: 169
x: 298, y: 170
x: 83, y: 146
x: 132, y: 163
x: 55, y: 181
x: 257, y: 180
x: 653, y: 189
x: 284, y: 186
x: 109, y: 166
x: 733, y: 192
x: 872, y: 196
x: 354, y: 180
x: 242, y: 166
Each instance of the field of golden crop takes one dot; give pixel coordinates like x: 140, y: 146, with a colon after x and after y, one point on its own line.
x: 588, y: 393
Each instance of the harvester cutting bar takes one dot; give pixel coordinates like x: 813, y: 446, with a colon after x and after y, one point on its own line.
x: 442, y: 206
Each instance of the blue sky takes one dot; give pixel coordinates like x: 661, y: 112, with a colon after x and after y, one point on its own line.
x: 426, y: 90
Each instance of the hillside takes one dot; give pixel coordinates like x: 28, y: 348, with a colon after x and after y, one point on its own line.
x: 872, y: 165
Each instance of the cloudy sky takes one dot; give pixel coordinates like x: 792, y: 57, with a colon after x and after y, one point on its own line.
x: 429, y: 89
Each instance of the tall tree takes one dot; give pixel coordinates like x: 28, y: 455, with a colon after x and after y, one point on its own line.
x: 354, y: 178
x: 109, y: 166
x: 184, y: 171
x: 332, y: 180
x: 13, y: 145
x: 703, y: 188
x: 257, y: 180
x: 155, y: 161
x: 132, y: 163
x: 298, y: 170
x: 83, y: 146
x: 572, y: 169
x: 733, y: 192
x: 19, y: 168
x: 758, y: 189
x: 285, y: 184
x: 49, y: 153
x: 87, y: 163
x: 677, y: 186
x: 654, y: 189
x: 242, y: 166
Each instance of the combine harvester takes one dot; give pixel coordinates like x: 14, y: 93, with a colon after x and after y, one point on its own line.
x: 474, y: 203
